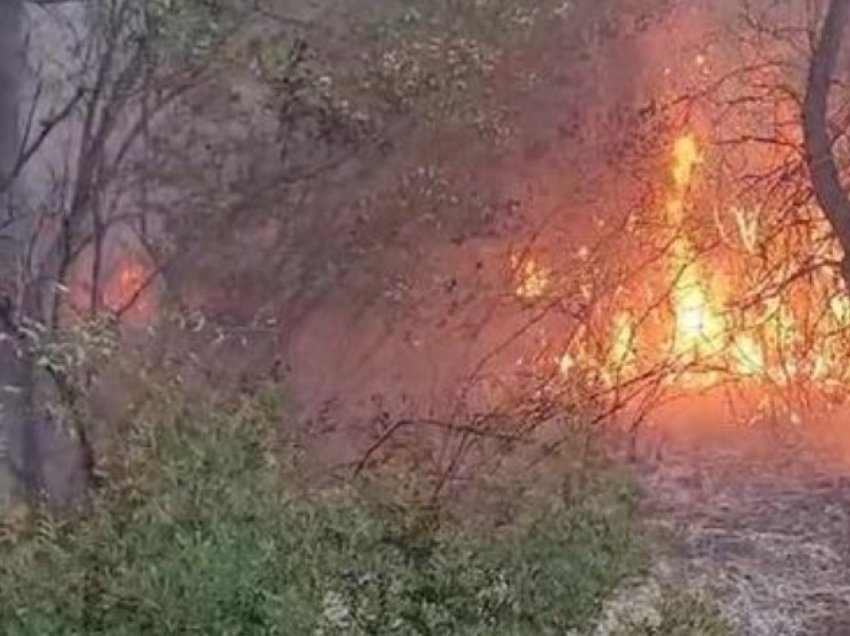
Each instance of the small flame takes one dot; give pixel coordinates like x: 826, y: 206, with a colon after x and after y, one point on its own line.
x: 686, y: 156
x: 533, y: 279
x: 748, y: 228
x: 566, y: 363
x: 623, y: 351
x: 840, y: 307
x: 126, y: 290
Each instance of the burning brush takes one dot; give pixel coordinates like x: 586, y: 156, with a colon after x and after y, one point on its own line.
x: 738, y: 299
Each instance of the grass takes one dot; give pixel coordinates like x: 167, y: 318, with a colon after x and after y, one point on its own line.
x: 682, y: 613
x: 199, y: 531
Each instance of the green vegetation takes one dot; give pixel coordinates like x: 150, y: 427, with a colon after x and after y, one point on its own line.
x: 200, y: 530
x: 678, y: 613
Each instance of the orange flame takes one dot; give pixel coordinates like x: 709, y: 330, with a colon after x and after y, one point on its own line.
x: 127, y: 290
x: 730, y: 322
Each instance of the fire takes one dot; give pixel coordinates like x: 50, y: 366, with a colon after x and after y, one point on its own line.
x: 566, y: 363
x: 748, y: 228
x: 532, y: 279
x: 698, y: 328
x: 623, y: 351
x: 122, y: 287
x: 686, y: 156
x: 839, y: 305
x: 128, y: 290
x: 711, y: 307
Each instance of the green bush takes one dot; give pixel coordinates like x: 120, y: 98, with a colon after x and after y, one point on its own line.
x: 199, y: 532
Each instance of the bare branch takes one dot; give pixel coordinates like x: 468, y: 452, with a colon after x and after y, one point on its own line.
x: 47, y: 126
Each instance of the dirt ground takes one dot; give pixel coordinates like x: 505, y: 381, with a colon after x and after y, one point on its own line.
x: 759, y: 517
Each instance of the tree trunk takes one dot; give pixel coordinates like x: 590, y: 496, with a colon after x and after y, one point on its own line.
x: 35, y: 456
x: 13, y: 367
x: 830, y: 194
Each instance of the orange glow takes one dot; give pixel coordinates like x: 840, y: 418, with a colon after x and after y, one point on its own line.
x: 721, y: 271
x: 728, y: 301
x: 701, y: 344
x: 127, y: 290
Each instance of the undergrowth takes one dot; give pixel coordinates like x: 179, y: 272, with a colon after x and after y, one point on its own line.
x: 199, y: 530
x: 680, y: 613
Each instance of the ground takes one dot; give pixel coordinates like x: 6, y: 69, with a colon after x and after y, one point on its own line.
x: 758, y: 516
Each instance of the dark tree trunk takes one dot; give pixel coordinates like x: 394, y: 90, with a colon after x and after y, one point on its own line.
x: 35, y: 456
x: 823, y: 169
x: 14, y: 380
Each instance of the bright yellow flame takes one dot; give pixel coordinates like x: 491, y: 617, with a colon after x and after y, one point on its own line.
x: 782, y: 326
x: 566, y: 363
x: 533, y: 279
x: 623, y: 350
x: 764, y: 343
x: 748, y: 228
x: 686, y: 156
x: 840, y: 307
x: 699, y: 330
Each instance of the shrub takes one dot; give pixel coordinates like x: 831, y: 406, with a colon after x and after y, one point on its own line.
x: 198, y: 531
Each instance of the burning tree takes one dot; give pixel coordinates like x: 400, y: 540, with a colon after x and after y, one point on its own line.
x: 735, y: 274
x: 724, y: 276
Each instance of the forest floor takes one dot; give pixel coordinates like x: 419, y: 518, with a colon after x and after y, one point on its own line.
x: 758, y: 517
